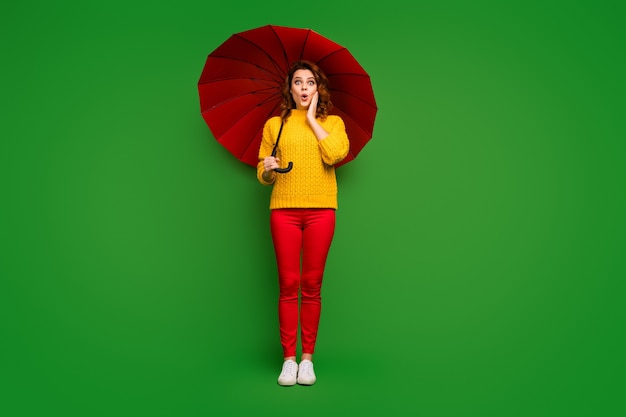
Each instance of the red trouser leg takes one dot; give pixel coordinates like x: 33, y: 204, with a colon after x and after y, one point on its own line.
x: 301, y: 237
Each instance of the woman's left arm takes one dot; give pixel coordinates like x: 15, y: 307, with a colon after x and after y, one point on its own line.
x: 318, y: 130
x: 334, y: 144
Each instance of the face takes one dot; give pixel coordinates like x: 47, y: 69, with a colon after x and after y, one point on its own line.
x: 303, y: 86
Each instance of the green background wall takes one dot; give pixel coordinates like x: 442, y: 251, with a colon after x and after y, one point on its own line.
x: 478, y: 263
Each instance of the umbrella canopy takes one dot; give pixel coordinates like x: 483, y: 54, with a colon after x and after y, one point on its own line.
x: 240, y: 86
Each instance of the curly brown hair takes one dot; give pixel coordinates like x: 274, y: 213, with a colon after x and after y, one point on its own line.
x: 324, y: 105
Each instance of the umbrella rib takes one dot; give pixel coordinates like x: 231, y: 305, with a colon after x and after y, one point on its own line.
x: 260, y: 103
x: 286, y: 63
x: 368, y: 104
x: 267, y: 100
x: 352, y: 74
x: 218, y: 80
x: 306, y: 39
x: 346, y: 116
x: 243, y: 94
x: 331, y: 54
x: 275, y: 77
x: 260, y: 129
x: 277, y: 66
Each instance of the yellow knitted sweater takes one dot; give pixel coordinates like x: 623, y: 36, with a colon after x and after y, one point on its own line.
x: 312, y: 182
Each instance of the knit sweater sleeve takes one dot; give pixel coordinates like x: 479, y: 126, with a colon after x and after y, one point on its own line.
x: 335, y: 147
x: 266, y: 146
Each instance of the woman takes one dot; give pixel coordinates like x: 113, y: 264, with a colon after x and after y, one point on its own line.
x: 302, y: 204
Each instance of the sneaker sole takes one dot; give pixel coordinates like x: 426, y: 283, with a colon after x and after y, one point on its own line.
x: 288, y: 384
x: 305, y: 383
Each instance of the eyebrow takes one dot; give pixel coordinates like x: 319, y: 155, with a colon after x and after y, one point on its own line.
x: 299, y: 78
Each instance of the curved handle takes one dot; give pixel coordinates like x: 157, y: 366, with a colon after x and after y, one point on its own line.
x: 283, y: 170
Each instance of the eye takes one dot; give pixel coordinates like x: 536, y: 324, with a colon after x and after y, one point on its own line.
x: 297, y: 82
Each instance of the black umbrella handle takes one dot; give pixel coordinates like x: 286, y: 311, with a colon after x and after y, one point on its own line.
x: 281, y: 170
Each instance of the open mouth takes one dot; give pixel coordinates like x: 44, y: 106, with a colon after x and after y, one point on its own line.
x: 304, y: 97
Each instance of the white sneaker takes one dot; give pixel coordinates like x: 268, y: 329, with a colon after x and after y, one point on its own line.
x: 288, y: 375
x: 306, y: 375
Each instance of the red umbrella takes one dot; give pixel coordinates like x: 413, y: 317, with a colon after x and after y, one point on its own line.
x: 240, y: 86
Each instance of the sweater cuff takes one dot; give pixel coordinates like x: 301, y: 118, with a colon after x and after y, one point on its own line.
x: 333, y: 150
x: 259, y: 174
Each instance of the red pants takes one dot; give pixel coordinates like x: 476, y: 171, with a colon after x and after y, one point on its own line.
x: 302, y: 238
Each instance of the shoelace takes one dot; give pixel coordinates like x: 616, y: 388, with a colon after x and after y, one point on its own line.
x: 306, y: 368
x: 289, y: 368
